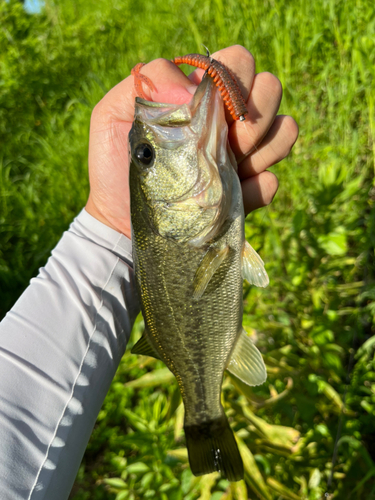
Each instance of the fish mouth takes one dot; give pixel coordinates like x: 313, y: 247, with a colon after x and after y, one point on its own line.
x: 198, y: 123
x: 164, y: 115
x: 178, y: 115
x: 196, y: 133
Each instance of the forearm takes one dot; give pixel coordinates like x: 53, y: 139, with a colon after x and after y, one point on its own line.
x: 60, y: 346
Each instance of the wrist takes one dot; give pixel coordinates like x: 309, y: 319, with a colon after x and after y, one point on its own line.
x: 121, y: 226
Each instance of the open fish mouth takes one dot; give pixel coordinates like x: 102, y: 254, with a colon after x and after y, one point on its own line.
x: 177, y: 115
x: 196, y: 134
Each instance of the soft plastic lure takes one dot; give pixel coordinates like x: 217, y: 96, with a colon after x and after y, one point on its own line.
x: 139, y: 79
x: 224, y: 80
x: 222, y: 76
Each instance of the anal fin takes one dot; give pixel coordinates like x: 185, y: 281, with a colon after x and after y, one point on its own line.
x: 247, y: 362
x: 253, y: 267
x: 144, y: 347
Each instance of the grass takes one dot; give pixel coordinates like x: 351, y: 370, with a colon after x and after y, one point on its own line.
x: 317, y: 237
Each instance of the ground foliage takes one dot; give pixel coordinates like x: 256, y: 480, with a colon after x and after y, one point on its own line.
x: 314, y: 323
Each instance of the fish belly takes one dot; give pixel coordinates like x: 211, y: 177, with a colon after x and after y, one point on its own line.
x: 195, y: 338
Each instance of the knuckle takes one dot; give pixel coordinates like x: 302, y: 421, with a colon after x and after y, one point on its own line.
x: 236, y: 53
x: 96, y: 111
x: 271, y: 185
x: 161, y: 64
x: 292, y: 128
x: 290, y: 132
x: 272, y: 82
x: 101, y: 114
x: 244, y: 54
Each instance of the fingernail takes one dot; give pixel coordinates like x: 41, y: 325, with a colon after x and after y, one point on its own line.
x: 192, y: 89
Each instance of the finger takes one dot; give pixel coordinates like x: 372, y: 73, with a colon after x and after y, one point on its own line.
x: 263, y: 104
x: 259, y: 190
x: 275, y: 146
x: 172, y: 86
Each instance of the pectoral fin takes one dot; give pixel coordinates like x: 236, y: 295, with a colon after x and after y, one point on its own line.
x: 207, y: 268
x: 253, y: 267
x: 247, y: 362
x: 144, y: 347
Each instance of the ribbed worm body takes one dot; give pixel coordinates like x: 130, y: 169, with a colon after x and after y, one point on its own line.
x: 224, y: 80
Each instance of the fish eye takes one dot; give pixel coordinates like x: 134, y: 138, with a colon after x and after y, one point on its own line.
x: 144, y: 153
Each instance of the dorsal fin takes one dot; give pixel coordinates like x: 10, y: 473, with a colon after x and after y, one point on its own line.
x: 247, y: 362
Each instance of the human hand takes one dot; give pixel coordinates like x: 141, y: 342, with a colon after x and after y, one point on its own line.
x: 266, y: 140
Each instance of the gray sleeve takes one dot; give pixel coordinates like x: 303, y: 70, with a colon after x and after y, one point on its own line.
x: 60, y: 346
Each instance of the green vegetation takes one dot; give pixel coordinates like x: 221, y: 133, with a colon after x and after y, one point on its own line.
x: 314, y: 323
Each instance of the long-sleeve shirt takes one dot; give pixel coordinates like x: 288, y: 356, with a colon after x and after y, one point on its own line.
x: 60, y: 346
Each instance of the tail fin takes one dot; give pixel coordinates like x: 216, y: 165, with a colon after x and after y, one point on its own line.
x: 212, y: 447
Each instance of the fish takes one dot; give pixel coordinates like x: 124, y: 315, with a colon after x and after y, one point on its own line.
x: 190, y: 257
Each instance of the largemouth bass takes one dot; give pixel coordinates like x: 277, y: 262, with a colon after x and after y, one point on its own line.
x: 190, y: 259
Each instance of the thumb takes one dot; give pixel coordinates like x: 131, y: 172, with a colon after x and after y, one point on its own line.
x: 172, y: 86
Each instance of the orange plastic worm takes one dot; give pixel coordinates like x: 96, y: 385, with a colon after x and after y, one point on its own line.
x: 224, y: 79
x: 139, y: 79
